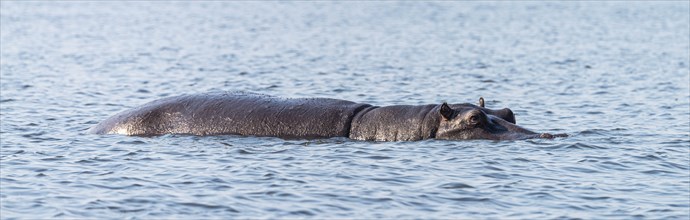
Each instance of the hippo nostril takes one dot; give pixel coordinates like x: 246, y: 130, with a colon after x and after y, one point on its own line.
x: 546, y: 135
x: 550, y: 136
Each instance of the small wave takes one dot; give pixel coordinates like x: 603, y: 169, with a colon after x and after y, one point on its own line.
x: 55, y: 158
x: 455, y: 186
x: 541, y: 195
x: 275, y: 193
x: 581, y: 170
x: 648, y: 157
x: 131, y: 186
x: 206, y: 206
x: 576, y: 146
x: 341, y: 208
x: 130, y: 154
x: 379, y: 157
x: 361, y: 152
x: 493, y: 168
x: 657, y: 172
x: 612, y: 165
x: 242, y: 151
x: 469, y: 199
x: 497, y: 176
x: 38, y: 137
x: 94, y: 160
x: 135, y: 142
x: 115, y: 208
x: 595, y: 197
x: 675, y: 166
x: 599, y: 131
x: 520, y: 159
x: 301, y: 212
x: 580, y: 146
x: 278, y: 151
x: 397, y: 180
x: 676, y: 141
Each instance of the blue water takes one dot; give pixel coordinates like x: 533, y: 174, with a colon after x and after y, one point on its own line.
x: 613, y: 75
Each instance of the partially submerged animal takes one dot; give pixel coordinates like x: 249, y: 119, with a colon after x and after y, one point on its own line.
x: 239, y: 113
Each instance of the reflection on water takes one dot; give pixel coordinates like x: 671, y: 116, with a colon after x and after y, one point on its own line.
x: 613, y: 75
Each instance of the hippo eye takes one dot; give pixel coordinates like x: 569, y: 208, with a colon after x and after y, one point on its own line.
x: 474, y: 119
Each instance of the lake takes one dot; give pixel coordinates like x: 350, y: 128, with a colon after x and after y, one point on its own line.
x: 615, y: 76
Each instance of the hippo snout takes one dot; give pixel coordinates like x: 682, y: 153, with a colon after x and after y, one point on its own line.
x: 551, y: 136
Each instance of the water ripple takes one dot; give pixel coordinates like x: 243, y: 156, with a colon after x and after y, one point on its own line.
x: 66, y: 66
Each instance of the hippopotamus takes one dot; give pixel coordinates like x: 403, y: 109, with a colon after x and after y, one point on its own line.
x: 250, y: 114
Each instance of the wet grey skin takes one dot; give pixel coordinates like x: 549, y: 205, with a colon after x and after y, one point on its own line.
x: 250, y: 114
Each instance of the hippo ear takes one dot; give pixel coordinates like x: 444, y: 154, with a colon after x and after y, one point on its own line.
x: 481, y: 102
x: 446, y: 111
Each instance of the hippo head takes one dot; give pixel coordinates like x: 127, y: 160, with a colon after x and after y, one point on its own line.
x: 468, y: 121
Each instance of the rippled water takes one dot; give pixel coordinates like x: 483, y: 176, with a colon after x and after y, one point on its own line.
x: 615, y: 76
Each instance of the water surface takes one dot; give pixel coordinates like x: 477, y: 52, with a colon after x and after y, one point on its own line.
x: 613, y: 75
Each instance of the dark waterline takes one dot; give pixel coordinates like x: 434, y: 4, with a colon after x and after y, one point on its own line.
x: 613, y: 75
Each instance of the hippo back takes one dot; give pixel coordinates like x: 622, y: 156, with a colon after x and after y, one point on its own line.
x: 396, y: 123
x: 236, y: 113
